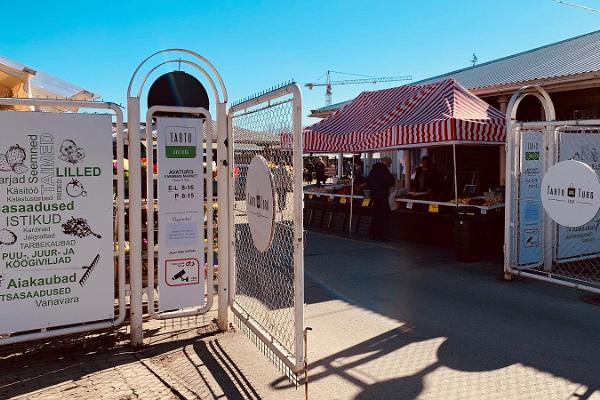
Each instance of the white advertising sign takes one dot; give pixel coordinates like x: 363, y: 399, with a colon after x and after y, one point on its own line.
x: 530, y: 207
x: 56, y: 220
x: 260, y: 203
x: 571, y: 193
x: 580, y: 241
x: 180, y: 213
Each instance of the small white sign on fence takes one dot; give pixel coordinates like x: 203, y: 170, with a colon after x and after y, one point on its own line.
x: 180, y: 213
x: 56, y: 220
x: 260, y: 203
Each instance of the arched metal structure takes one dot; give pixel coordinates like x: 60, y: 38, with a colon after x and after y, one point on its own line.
x: 219, y: 93
x: 511, y: 142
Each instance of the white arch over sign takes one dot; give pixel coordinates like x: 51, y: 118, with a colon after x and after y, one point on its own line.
x: 219, y: 91
x: 197, y: 66
x: 532, y: 90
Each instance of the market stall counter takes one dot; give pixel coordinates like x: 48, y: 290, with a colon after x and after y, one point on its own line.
x: 474, y: 228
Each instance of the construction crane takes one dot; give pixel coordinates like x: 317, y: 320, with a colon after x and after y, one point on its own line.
x: 364, y: 79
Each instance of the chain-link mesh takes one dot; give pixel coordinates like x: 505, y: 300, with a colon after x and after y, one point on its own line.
x: 542, y: 246
x: 264, y: 281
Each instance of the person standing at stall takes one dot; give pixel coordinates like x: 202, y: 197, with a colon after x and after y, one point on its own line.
x: 320, y: 171
x: 309, y: 168
x: 380, y: 181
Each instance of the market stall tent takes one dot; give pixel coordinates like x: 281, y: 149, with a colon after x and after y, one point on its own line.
x: 408, y: 116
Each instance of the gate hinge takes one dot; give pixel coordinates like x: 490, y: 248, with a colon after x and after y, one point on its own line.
x: 225, y: 163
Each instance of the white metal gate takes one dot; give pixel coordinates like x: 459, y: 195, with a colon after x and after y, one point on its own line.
x: 267, y: 287
x: 535, y: 245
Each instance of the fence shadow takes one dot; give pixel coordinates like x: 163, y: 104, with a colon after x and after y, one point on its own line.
x: 231, y: 380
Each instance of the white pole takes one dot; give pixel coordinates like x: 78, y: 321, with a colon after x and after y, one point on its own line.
x: 351, y: 197
x: 502, y: 104
x: 135, y: 221
x: 455, y: 177
x: 340, y: 166
x: 298, y: 148
x: 550, y: 139
x: 223, y: 171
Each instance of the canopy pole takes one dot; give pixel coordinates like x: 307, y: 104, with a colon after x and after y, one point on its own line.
x: 455, y: 177
x: 351, y: 197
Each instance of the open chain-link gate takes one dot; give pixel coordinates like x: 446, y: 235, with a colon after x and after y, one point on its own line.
x: 536, y: 246
x: 267, y: 285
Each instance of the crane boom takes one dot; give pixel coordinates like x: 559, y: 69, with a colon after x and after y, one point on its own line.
x: 370, y: 79
x: 362, y: 81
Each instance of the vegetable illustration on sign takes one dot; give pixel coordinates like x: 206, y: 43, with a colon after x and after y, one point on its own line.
x: 7, y: 237
x: 70, y: 152
x: 75, y: 188
x: 78, y: 227
x: 13, y: 160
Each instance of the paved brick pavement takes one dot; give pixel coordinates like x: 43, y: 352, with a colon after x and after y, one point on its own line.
x: 180, y: 361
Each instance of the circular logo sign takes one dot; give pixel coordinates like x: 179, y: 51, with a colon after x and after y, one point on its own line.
x: 260, y: 200
x: 571, y: 193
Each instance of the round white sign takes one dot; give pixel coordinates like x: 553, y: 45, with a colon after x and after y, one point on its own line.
x: 571, y: 193
x: 260, y: 203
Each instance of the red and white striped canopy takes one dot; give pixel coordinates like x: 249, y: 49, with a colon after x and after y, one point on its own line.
x: 442, y: 112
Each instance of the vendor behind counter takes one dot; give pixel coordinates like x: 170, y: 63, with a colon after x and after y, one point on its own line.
x: 426, y: 178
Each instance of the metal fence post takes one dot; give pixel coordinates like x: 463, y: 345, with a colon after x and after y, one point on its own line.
x: 135, y: 221
x: 298, y: 149
x: 223, y: 171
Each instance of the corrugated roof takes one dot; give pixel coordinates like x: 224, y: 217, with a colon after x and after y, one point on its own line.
x: 573, y: 56
x: 331, y: 107
x: 577, y: 55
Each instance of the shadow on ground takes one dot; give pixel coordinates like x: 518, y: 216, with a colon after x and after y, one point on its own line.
x: 211, y: 370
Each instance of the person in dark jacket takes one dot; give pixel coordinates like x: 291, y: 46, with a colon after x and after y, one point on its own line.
x: 380, y: 181
x: 309, y: 169
x: 320, y: 171
x: 426, y: 178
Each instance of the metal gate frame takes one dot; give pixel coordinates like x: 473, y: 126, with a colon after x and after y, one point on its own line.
x: 513, y: 134
x: 292, y: 358
x: 150, y: 212
x: 204, y: 67
x: 120, y: 231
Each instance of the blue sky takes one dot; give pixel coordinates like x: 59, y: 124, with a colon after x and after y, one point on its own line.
x: 256, y: 44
